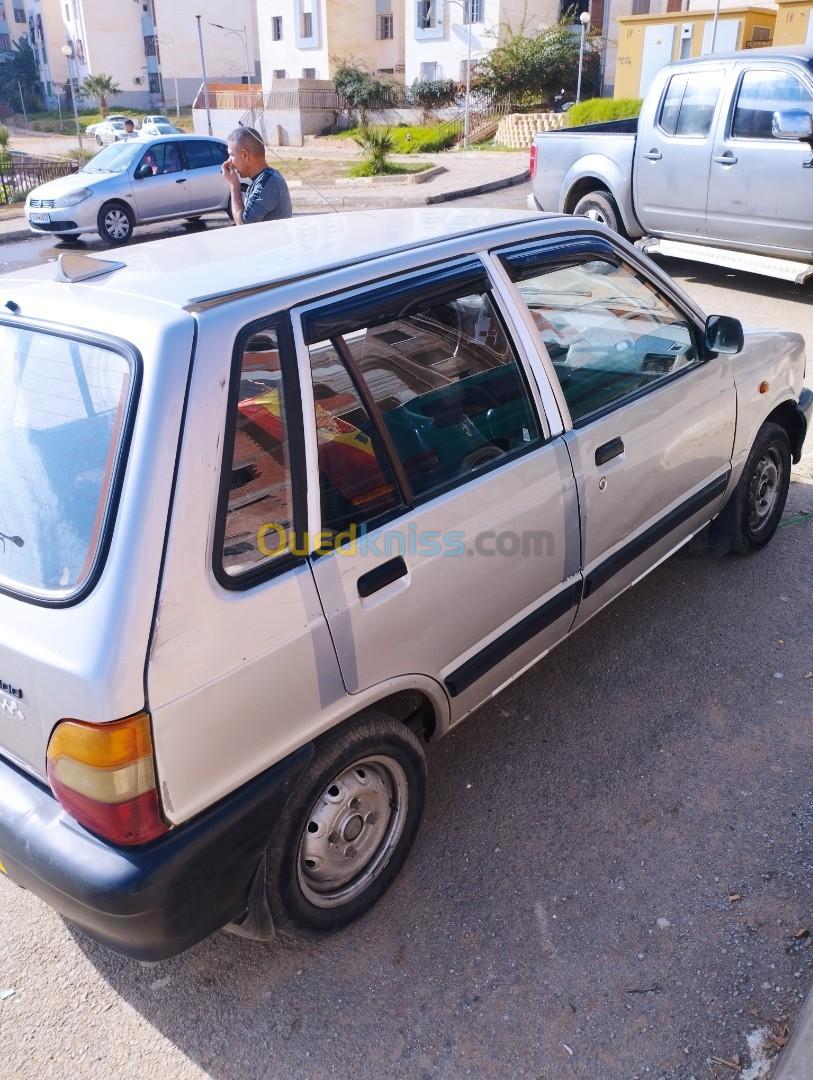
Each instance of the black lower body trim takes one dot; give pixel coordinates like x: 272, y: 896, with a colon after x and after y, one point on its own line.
x: 641, y: 544
x: 519, y: 634
x: 148, y: 902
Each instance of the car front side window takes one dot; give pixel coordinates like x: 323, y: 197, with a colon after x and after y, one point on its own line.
x: 608, y: 332
x: 761, y: 94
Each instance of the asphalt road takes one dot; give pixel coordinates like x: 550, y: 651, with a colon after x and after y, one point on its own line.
x: 610, y: 883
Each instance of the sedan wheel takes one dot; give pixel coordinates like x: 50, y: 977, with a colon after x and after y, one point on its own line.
x: 115, y: 223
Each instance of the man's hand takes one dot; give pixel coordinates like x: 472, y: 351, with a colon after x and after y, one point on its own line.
x: 231, y: 174
x: 236, y: 197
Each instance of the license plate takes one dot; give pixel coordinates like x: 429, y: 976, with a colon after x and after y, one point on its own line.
x: 40, y: 219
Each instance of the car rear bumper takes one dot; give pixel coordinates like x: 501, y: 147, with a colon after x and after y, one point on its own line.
x: 154, y: 901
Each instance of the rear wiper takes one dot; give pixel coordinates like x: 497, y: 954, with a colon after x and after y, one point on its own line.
x: 16, y: 540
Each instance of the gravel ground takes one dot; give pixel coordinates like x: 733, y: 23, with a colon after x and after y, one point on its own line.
x: 610, y: 883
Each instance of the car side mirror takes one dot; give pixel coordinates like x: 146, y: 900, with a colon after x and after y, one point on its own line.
x: 792, y: 124
x: 143, y: 171
x: 724, y: 334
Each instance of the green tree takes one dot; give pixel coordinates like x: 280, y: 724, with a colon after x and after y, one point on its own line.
x: 359, y: 89
x: 19, y: 72
x: 529, y: 69
x: 101, y: 87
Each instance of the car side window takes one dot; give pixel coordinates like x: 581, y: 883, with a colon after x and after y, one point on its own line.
x: 198, y: 154
x: 160, y: 159
x: 761, y: 94
x: 440, y: 377
x: 608, y: 332
x: 689, y: 103
x: 258, y: 497
x: 217, y: 153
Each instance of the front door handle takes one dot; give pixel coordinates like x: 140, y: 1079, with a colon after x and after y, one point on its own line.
x: 607, y: 451
x: 181, y: 181
x: 654, y: 154
x: 382, y: 576
x: 726, y: 159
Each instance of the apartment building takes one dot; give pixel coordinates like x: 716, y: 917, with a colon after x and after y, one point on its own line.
x: 13, y: 24
x: 437, y: 32
x: 149, y: 47
x: 309, y: 39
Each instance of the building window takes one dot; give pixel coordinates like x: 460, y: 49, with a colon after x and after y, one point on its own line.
x: 155, y: 82
x: 425, y: 13
x: 640, y: 7
x: 280, y: 73
x: 307, y: 24
x: 67, y: 13
x: 48, y: 88
x: 473, y: 11
x: 385, y: 27
x: 385, y: 71
x: 430, y: 72
x: 2, y: 13
x: 19, y: 15
x: 80, y: 51
x: 150, y: 45
x: 5, y: 43
x: 276, y: 28
x: 308, y: 73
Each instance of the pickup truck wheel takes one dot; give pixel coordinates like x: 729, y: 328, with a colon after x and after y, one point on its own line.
x: 601, y: 206
x: 347, y: 828
x: 753, y: 512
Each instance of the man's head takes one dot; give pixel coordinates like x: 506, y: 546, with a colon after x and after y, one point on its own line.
x: 129, y: 127
x: 247, y: 151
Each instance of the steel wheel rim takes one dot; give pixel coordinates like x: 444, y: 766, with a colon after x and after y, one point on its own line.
x: 763, y: 491
x: 352, y: 830
x: 596, y: 215
x: 116, y: 224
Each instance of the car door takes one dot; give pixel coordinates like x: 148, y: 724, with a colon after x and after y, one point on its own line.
x: 208, y: 189
x: 650, y: 416
x: 160, y: 182
x: 760, y: 187
x: 449, y: 538
x: 673, y: 153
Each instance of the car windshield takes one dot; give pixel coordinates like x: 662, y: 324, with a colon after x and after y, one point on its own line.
x: 160, y: 120
x: 113, y: 159
x: 165, y: 129
x: 63, y: 406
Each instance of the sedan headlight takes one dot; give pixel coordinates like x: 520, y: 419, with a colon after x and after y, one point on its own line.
x: 74, y: 197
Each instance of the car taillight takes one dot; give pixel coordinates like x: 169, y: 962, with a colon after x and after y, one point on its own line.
x: 533, y: 161
x: 104, y: 776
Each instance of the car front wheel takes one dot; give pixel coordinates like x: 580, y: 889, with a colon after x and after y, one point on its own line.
x: 752, y: 514
x: 115, y: 223
x: 348, y: 827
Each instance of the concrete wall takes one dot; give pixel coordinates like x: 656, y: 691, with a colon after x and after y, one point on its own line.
x: 225, y: 53
x: 614, y: 10
x: 794, y: 23
x: 446, y: 45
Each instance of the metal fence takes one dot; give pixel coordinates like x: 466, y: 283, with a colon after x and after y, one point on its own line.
x: 20, y: 172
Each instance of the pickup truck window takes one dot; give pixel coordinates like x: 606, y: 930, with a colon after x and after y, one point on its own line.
x: 689, y: 103
x: 608, y: 332
x: 63, y: 407
x: 761, y: 94
x: 259, y: 504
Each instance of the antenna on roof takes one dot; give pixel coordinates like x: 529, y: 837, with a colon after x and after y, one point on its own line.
x: 74, y: 267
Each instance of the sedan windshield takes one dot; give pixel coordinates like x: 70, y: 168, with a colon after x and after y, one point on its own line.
x: 115, y: 158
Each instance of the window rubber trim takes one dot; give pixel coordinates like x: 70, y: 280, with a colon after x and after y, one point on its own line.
x: 292, y: 404
x: 132, y: 355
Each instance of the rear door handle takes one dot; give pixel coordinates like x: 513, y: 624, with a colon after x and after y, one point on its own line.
x: 181, y: 181
x: 726, y: 159
x: 653, y: 155
x: 609, y: 450
x: 382, y: 576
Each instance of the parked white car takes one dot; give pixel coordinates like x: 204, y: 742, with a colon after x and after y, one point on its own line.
x: 131, y: 183
x: 111, y: 131
x: 159, y: 125
x: 289, y: 501
x: 91, y: 128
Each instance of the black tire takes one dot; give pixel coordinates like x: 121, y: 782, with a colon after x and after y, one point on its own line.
x: 192, y: 220
x: 99, y: 141
x: 601, y: 206
x: 752, y: 514
x: 347, y: 781
x: 115, y: 223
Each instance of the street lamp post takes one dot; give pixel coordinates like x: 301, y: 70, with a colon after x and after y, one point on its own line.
x: 466, y: 6
x: 584, y: 19
x: 244, y: 35
x: 203, y: 70
x: 67, y: 52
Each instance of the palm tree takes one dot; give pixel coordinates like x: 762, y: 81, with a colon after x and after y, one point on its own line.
x: 101, y: 86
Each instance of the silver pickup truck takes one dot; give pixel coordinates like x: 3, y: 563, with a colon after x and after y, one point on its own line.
x: 718, y: 166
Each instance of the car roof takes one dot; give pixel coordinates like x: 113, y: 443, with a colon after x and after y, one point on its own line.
x: 774, y: 52
x: 201, y: 269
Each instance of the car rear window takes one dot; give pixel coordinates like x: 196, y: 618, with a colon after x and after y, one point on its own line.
x: 63, y: 407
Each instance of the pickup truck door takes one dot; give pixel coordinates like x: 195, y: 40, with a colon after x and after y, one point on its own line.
x: 760, y: 190
x: 673, y: 153
x: 649, y: 416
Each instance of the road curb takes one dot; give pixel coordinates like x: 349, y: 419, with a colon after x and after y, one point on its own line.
x: 480, y: 189
x: 15, y: 234
x: 796, y: 1062
x: 347, y: 200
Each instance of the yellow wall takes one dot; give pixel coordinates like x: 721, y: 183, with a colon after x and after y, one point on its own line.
x: 792, y: 22
x: 632, y: 29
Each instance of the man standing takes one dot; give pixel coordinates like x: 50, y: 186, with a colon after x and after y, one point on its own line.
x: 268, y: 197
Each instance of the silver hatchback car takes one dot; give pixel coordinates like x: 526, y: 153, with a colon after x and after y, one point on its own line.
x: 289, y: 501
x: 131, y: 183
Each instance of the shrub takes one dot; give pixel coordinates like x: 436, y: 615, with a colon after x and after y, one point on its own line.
x: 600, y: 110
x: 432, y: 94
x: 4, y: 137
x: 377, y: 145
x: 358, y: 89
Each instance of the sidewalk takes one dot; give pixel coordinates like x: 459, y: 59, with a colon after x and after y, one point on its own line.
x: 796, y: 1062
x: 464, y: 174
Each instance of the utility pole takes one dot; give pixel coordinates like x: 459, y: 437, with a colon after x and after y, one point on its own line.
x: 22, y: 102
x: 203, y: 70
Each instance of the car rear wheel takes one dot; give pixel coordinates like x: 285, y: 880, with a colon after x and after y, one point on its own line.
x: 752, y: 514
x: 348, y: 827
x: 115, y: 223
x: 601, y: 206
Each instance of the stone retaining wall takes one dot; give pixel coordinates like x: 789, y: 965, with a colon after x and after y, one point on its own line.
x: 517, y: 129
